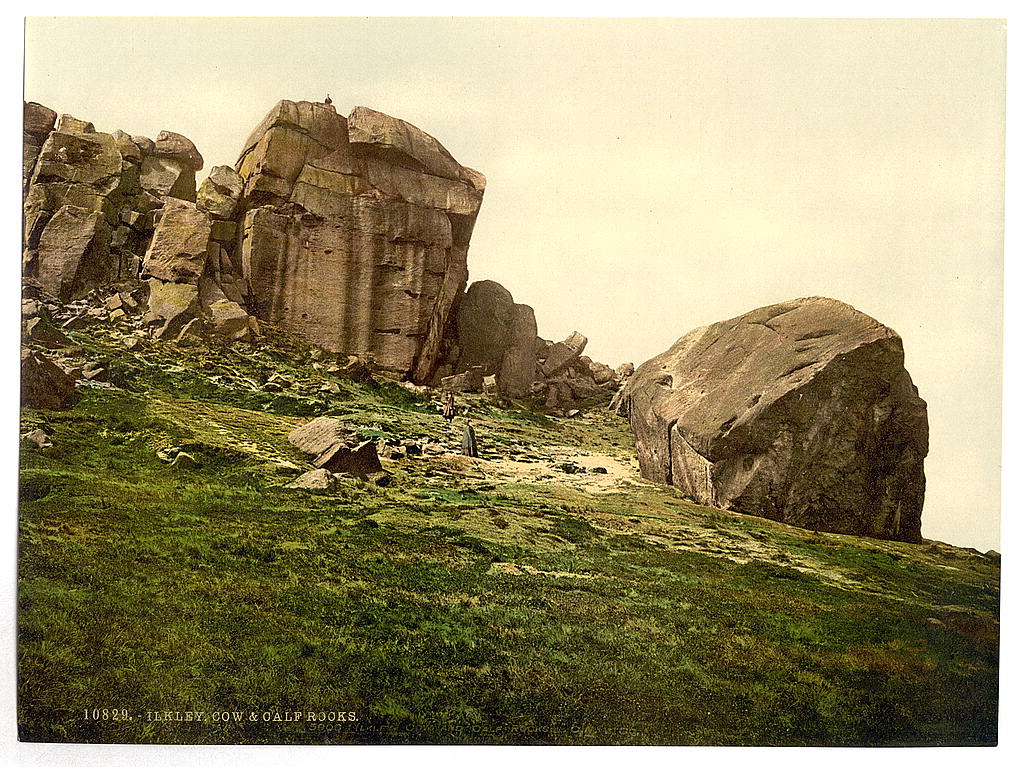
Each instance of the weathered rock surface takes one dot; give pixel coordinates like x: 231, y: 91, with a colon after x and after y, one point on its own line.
x: 318, y: 435
x: 356, y: 232
x: 317, y: 479
x: 38, y: 122
x: 43, y: 384
x: 173, y: 305
x: 482, y: 323
x: 74, y: 253
x: 801, y: 412
x: 90, y: 199
x: 180, y: 246
x: 220, y: 192
x: 359, y: 461
x: 563, y: 353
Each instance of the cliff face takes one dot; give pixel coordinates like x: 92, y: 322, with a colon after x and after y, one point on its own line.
x: 355, y: 232
x: 800, y: 412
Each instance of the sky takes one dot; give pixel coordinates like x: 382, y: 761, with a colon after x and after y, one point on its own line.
x: 647, y: 177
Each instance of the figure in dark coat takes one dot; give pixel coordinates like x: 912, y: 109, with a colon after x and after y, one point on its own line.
x: 469, y: 441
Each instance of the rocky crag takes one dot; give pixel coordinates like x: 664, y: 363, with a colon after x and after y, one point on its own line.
x: 351, y: 232
x: 800, y: 412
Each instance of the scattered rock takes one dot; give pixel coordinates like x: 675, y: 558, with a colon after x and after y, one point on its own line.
x: 44, y: 385
x: 39, y: 438
x: 468, y: 381
x: 562, y: 354
x: 317, y: 479
x: 40, y: 331
x: 184, y: 461
x: 318, y: 435
x: 358, y: 461
x: 379, y: 478
x: 570, y: 467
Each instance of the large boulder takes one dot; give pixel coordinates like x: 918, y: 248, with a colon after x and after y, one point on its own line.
x: 178, y: 251
x: 44, y: 385
x: 519, y: 363
x: 73, y: 253
x: 482, y: 323
x: 801, y: 412
x: 319, y: 434
x: 219, y: 193
x: 172, y: 305
x: 176, y: 146
x: 562, y: 354
x: 355, y: 232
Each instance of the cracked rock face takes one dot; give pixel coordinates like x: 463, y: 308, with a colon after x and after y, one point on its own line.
x: 355, y: 232
x: 800, y: 412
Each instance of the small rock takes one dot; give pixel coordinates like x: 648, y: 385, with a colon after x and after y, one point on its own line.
x: 77, y: 322
x: 184, y: 461
x: 134, y: 344
x: 599, y: 470
x: 39, y: 438
x: 330, y: 387
x: 412, y: 448
x: 279, y: 380
x: 379, y: 478
x: 570, y: 467
x: 317, y: 479
x: 43, y: 333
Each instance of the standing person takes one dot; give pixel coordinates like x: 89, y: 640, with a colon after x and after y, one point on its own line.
x: 469, y: 441
x: 449, y: 408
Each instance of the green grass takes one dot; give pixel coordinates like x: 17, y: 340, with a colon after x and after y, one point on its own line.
x: 444, y: 609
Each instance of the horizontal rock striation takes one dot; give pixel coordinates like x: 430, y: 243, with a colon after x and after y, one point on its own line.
x: 355, y: 232
x: 801, y: 412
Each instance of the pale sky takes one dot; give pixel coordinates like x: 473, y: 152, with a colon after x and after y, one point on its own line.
x: 647, y: 177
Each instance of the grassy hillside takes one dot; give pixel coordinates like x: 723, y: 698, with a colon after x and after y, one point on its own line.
x: 497, y: 600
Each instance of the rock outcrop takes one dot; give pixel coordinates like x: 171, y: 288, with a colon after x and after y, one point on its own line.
x: 355, y: 232
x: 102, y: 209
x: 801, y: 412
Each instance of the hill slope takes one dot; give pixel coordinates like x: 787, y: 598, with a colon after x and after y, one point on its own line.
x: 491, y: 600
